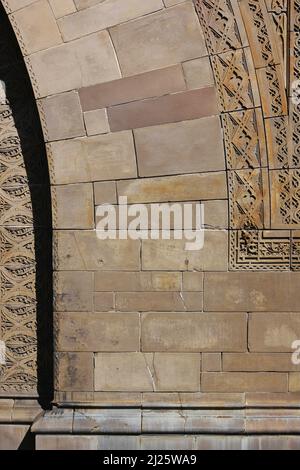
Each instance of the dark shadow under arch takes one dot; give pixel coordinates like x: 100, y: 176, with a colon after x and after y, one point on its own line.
x: 22, y: 102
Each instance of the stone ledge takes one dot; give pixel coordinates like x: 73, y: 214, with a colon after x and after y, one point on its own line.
x: 13, y: 411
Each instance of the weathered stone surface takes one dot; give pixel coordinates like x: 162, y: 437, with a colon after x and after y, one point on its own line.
x: 58, y: 420
x: 193, y: 400
x: 169, y: 108
x: 73, y: 291
x: 271, y: 362
x: 48, y: 442
x: 198, y: 73
x: 96, y: 122
x: 103, y: 157
x: 172, y: 254
x: 63, y: 116
x: 216, y: 214
x: 82, y: 4
x: 273, y: 332
x: 175, y: 188
x: 61, y: 8
x: 192, y: 281
x: 167, y: 442
x: 12, y: 436
x: 74, y: 206
x: 138, y: 87
x: 37, y: 34
x: 193, y: 332
x: 137, y: 281
x: 212, y: 362
x: 98, y: 332
x: 107, y: 421
x: 75, y: 371
x: 105, y: 192
x: 104, y: 15
x: 275, y: 421
x: 294, y: 381
x: 158, y: 40
x: 104, y: 301
x: 158, y: 301
x: 186, y: 147
x: 82, y: 250
x: 83, y: 62
x: 243, y: 382
x: 259, y: 291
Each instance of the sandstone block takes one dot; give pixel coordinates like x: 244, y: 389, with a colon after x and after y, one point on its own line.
x: 243, y: 382
x: 273, y: 332
x: 75, y: 371
x: 96, y: 122
x: 74, y: 206
x: 198, y: 73
x: 137, y: 281
x: 73, y: 291
x: 105, y: 192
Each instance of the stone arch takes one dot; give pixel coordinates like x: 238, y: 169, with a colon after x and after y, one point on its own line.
x: 26, y: 262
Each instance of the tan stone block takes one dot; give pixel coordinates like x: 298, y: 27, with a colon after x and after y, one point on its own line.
x: 194, y: 332
x: 198, y: 73
x: 259, y: 291
x: 73, y: 65
x: 105, y: 192
x: 73, y: 291
x: 243, y: 382
x: 104, y: 15
x: 74, y: 206
x: 170, y: 3
x: 211, y: 362
x: 271, y: 400
x: 193, y: 400
x: 172, y: 254
x: 82, y: 4
x: 75, y: 371
x: 12, y: 436
x: 107, y: 421
x: 61, y: 8
x: 216, y: 214
x: 145, y: 85
x: 294, y: 381
x: 48, y: 442
x: 98, y: 332
x: 82, y: 250
x: 137, y: 281
x: 158, y: 301
x: 37, y: 25
x: 273, y: 331
x: 143, y: 372
x: 159, y: 40
x: 165, y: 109
x: 14, y: 5
x: 103, y: 157
x: 254, y: 362
x: 104, y: 302
x: 193, y: 281
x: 175, y: 188
x: 185, y: 147
x: 96, y: 122
x: 63, y: 116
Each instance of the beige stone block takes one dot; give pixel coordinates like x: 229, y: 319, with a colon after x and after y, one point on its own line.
x: 294, y: 381
x: 98, y: 332
x: 37, y: 26
x: 83, y: 250
x: 158, y: 301
x: 104, y: 302
x: 137, y: 281
x: 254, y: 362
x: 216, y: 214
x: 82, y: 4
x: 73, y: 206
x: 164, y: 109
x: 194, y: 332
x: 63, y: 116
x: 137, y: 87
x: 170, y: 3
x: 61, y: 8
x: 48, y: 442
x: 143, y: 372
x: 175, y: 188
x: 75, y: 371
x: 119, y: 443
x: 256, y: 291
x: 273, y: 331
x: 14, y: 5
x: 103, y: 157
x: 107, y: 421
x: 159, y: 40
x: 243, y: 382
x: 73, y: 291
x: 193, y: 400
x: 185, y: 147
x: 172, y: 254
x: 12, y: 436
x: 193, y: 281
x: 105, y: 192
x: 73, y: 65
x: 198, y: 73
x: 104, y: 15
x: 211, y: 362
x: 96, y: 122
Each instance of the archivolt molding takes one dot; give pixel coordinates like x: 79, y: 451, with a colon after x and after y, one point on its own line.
x: 252, y: 74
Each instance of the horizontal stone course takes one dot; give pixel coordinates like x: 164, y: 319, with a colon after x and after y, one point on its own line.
x: 271, y: 362
x: 137, y: 281
x: 75, y: 371
x: 158, y: 301
x: 243, y: 382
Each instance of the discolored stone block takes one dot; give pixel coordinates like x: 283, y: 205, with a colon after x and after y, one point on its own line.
x: 243, y: 382
x: 211, y: 362
x: 193, y: 281
x: 158, y: 301
x: 186, y: 147
x: 104, y: 301
x: 96, y: 122
x: 73, y: 291
x: 74, y: 206
x: 137, y: 281
x: 105, y: 192
x: 98, y: 332
x: 12, y: 436
x: 48, y: 442
x: 158, y: 40
x: 273, y: 332
x: 75, y: 371
x: 294, y: 381
x: 194, y: 332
